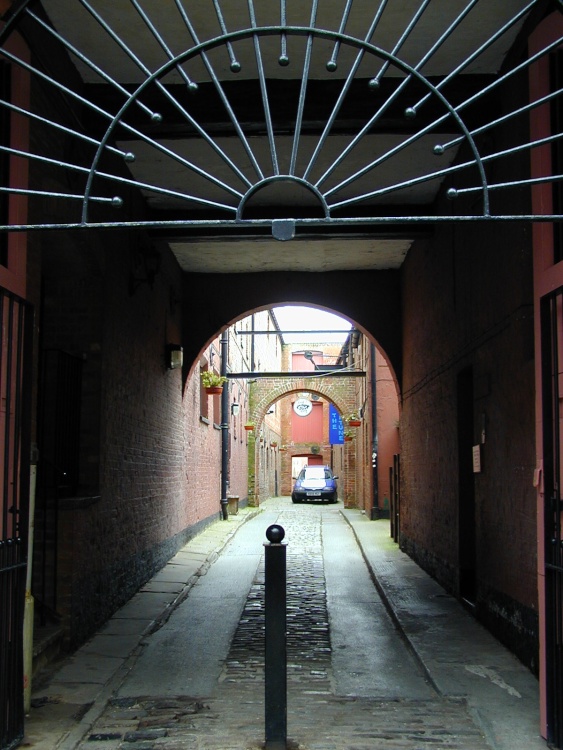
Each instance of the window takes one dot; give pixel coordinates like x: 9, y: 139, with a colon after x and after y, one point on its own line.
x: 203, y: 397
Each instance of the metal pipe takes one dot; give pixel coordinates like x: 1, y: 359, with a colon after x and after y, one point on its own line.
x: 224, y: 428
x: 298, y: 374
x: 375, y: 437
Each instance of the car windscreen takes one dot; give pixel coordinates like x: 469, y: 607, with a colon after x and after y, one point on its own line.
x: 316, y: 472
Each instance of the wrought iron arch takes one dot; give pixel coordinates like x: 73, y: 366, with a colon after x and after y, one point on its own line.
x: 376, y: 126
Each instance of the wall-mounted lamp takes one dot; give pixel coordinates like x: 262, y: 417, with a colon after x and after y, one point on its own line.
x: 145, y: 264
x: 235, y: 409
x: 174, y: 356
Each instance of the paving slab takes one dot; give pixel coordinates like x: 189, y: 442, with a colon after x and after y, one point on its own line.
x: 144, y: 605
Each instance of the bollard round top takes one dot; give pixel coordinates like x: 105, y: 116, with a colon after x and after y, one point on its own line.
x: 275, y: 533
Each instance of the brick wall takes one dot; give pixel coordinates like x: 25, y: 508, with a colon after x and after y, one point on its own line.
x: 474, y: 284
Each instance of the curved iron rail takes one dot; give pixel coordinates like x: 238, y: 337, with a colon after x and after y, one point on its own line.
x: 247, y: 173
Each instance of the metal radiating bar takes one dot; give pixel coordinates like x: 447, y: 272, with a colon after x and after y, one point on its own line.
x: 63, y: 129
x: 433, y: 175
x: 109, y: 116
x: 303, y: 90
x: 263, y: 89
x: 519, y: 68
x: 235, y: 65
x: 446, y: 171
x: 441, y: 39
x: 117, y: 202
x: 387, y: 155
x: 344, y: 90
x: 283, y: 58
x: 223, y: 96
x: 474, y: 55
x: 162, y: 88
x: 402, y: 39
x: 387, y: 104
x: 91, y: 64
x: 442, y: 147
x: 332, y: 64
x: 118, y: 179
x: 192, y: 86
x: 455, y: 192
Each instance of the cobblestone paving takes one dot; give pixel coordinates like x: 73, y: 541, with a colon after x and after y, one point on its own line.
x: 233, y: 719
x: 308, y: 637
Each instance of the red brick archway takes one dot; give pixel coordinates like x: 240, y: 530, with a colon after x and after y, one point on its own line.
x: 338, y: 391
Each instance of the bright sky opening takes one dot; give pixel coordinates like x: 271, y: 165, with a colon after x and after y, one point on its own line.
x: 299, y: 318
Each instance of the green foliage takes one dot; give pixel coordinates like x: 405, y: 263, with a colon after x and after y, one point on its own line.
x: 210, y: 379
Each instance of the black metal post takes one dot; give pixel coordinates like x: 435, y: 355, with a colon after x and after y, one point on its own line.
x: 276, y: 646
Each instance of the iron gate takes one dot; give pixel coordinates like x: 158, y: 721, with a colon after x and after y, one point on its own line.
x: 382, y: 112
x: 552, y: 366
x: 15, y: 403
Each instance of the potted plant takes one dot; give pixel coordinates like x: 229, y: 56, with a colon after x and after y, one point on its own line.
x: 212, y: 382
x: 249, y: 426
x: 348, y: 435
x: 354, y: 419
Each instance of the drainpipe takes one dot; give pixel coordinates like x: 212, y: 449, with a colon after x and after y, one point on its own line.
x: 252, y: 349
x: 374, y: 439
x: 224, y: 428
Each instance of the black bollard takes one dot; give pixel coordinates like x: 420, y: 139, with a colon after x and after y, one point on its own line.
x: 276, y: 651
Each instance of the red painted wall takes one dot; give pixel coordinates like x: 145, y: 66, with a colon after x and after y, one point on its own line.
x: 308, y: 429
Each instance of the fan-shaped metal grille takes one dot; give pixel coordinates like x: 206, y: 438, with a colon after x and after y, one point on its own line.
x: 232, y: 113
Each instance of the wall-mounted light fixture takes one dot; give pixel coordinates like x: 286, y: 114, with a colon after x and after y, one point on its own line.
x: 145, y: 264
x: 235, y: 409
x: 174, y: 356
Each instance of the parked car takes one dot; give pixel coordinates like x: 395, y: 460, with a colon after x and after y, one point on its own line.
x: 315, y: 483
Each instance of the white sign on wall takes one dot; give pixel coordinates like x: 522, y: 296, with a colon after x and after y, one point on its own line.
x: 302, y: 407
x: 476, y: 459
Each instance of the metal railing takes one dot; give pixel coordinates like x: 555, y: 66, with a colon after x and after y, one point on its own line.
x: 352, y: 183
x: 552, y: 366
x: 15, y: 402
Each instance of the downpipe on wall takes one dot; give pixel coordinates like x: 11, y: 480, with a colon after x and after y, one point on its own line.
x: 374, y: 440
x: 224, y: 428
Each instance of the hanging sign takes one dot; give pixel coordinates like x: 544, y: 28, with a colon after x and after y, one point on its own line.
x: 302, y: 407
x: 335, y: 426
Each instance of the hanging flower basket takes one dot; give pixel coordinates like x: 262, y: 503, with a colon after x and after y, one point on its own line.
x: 249, y: 426
x: 347, y: 439
x: 212, y: 382
x: 354, y: 419
x: 274, y: 444
x: 214, y: 390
